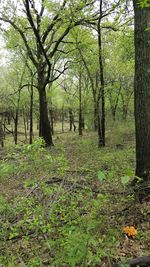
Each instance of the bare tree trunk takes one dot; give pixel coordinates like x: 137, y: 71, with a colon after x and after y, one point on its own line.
x: 31, y: 114
x: 100, y: 137
x: 25, y: 127
x: 37, y: 123
x: 1, y: 135
x: 95, y: 116
x: 80, y: 105
x: 17, y: 118
x: 101, y: 114
x: 62, y: 120
x: 27, y: 120
x: 142, y: 95
x: 70, y: 119
x: 114, y: 103
x: 51, y: 113
x: 44, y: 127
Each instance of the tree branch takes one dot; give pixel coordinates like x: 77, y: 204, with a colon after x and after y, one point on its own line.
x: 23, y: 37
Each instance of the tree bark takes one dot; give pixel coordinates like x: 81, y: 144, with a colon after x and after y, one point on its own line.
x: 25, y: 126
x: 31, y: 113
x: 101, y: 115
x: 70, y: 119
x: 62, y: 120
x: 1, y: 135
x: 44, y: 124
x: 17, y: 118
x: 95, y: 116
x: 142, y: 91
x: 44, y: 128
x: 51, y: 113
x: 80, y: 106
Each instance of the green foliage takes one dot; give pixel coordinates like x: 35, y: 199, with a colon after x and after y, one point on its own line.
x: 5, y: 208
x: 60, y: 219
x: 143, y: 3
x: 7, y: 169
x: 101, y: 176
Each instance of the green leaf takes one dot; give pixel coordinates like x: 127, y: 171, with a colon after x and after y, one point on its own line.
x: 101, y: 176
x: 125, y: 179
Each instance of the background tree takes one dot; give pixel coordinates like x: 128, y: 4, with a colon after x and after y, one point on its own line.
x: 47, y: 35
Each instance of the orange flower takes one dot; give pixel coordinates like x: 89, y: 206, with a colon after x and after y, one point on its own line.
x: 130, y: 231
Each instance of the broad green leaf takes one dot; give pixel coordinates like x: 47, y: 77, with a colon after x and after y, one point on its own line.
x: 101, y: 176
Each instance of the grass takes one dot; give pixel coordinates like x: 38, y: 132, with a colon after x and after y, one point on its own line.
x: 67, y: 206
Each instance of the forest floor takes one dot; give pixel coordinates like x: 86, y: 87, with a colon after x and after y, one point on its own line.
x: 68, y: 205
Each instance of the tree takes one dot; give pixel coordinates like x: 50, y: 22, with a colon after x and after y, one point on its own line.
x: 43, y: 28
x: 142, y: 93
x: 119, y: 56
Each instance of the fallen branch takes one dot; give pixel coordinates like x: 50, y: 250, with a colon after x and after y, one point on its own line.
x: 141, y: 262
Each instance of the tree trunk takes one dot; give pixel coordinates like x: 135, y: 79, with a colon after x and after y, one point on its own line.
x: 62, y: 120
x: 124, y: 112
x: 142, y: 92
x: 100, y: 136
x: 51, y: 119
x: 83, y: 122
x: 16, y: 129
x: 80, y: 106
x: 25, y: 127
x: 95, y: 116
x: 70, y: 119
x: 37, y: 123
x: 1, y: 135
x: 44, y: 127
x: 16, y: 119
x: 8, y: 119
x: 114, y: 103
x: 113, y: 112
x: 101, y: 119
x: 31, y: 114
x: 51, y: 114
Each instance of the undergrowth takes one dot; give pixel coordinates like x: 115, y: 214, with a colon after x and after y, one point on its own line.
x: 67, y: 206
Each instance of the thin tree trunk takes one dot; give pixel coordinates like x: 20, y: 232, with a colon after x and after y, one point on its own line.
x: 112, y: 104
x: 1, y: 135
x: 83, y: 122
x: 4, y: 127
x: 27, y: 120
x: 37, y: 123
x: 8, y: 119
x: 100, y: 137
x: 17, y: 118
x: 62, y: 120
x: 70, y: 119
x: 101, y: 120
x: 51, y: 113
x: 31, y: 113
x: 80, y: 105
x: 95, y: 116
x: 25, y: 126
